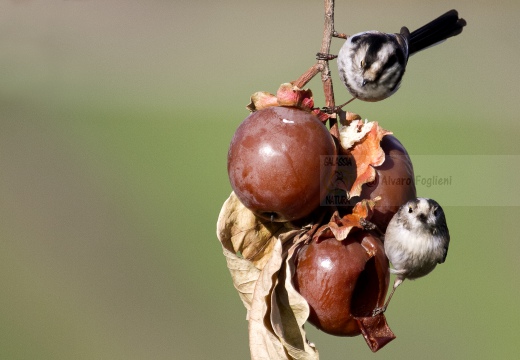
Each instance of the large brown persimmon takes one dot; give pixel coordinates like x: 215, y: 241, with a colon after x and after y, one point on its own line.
x: 342, y: 281
x: 394, y: 183
x: 274, y: 163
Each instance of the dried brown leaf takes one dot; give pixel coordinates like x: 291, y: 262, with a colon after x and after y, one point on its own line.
x: 246, y: 243
x: 287, y: 95
x: 341, y: 227
x: 353, y: 133
x: 350, y: 116
x: 263, y: 342
x: 261, y: 100
x: 362, y: 141
x: 241, y: 232
x: 290, y: 95
x: 244, y: 275
x: 276, y: 311
x: 289, y: 312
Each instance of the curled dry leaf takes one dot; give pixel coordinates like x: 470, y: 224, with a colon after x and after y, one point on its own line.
x: 290, y: 95
x: 241, y: 232
x: 243, y: 272
x: 247, y: 244
x: 277, y: 314
x: 287, y: 95
x: 354, y: 133
x: 340, y: 227
x: 263, y: 343
x: 261, y: 100
x: 258, y: 263
x: 350, y: 116
x: 244, y: 275
x: 290, y: 311
x: 361, y: 140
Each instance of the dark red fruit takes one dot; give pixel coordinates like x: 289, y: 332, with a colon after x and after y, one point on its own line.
x: 394, y: 183
x: 274, y: 163
x: 342, y: 280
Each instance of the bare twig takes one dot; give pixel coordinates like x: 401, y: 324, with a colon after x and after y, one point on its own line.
x: 309, y: 74
x: 325, y: 48
x: 322, y: 64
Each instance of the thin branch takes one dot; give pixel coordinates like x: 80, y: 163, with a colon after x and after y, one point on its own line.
x: 328, y: 29
x: 308, y: 75
x: 322, y: 64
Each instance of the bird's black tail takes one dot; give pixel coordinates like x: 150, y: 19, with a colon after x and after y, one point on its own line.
x: 440, y: 29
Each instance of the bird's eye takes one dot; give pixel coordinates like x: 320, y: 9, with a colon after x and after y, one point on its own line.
x: 435, y: 212
x: 410, y: 210
x: 362, y: 64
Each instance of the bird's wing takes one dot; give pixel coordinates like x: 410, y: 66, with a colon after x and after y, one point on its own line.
x: 446, y: 245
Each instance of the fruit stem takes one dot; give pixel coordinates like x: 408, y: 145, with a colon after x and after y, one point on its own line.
x: 308, y: 75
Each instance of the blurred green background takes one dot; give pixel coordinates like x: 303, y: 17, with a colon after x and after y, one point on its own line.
x: 115, y: 119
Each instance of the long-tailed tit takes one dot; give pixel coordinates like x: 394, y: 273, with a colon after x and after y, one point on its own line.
x: 371, y: 64
x: 416, y: 240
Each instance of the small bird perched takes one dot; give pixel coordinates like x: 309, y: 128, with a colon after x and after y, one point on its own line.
x: 416, y: 240
x: 371, y: 64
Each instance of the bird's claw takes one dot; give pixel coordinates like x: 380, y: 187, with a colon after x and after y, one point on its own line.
x: 370, y: 226
x: 331, y: 110
x: 378, y: 310
x: 339, y: 35
x: 367, y: 225
x: 327, y: 57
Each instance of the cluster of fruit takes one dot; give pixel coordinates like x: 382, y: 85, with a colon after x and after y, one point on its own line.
x: 280, y: 168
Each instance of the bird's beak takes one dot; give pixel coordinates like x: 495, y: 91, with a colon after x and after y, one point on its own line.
x: 364, y: 82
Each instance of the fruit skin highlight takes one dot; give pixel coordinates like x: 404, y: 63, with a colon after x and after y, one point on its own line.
x: 275, y: 163
x: 342, y: 281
